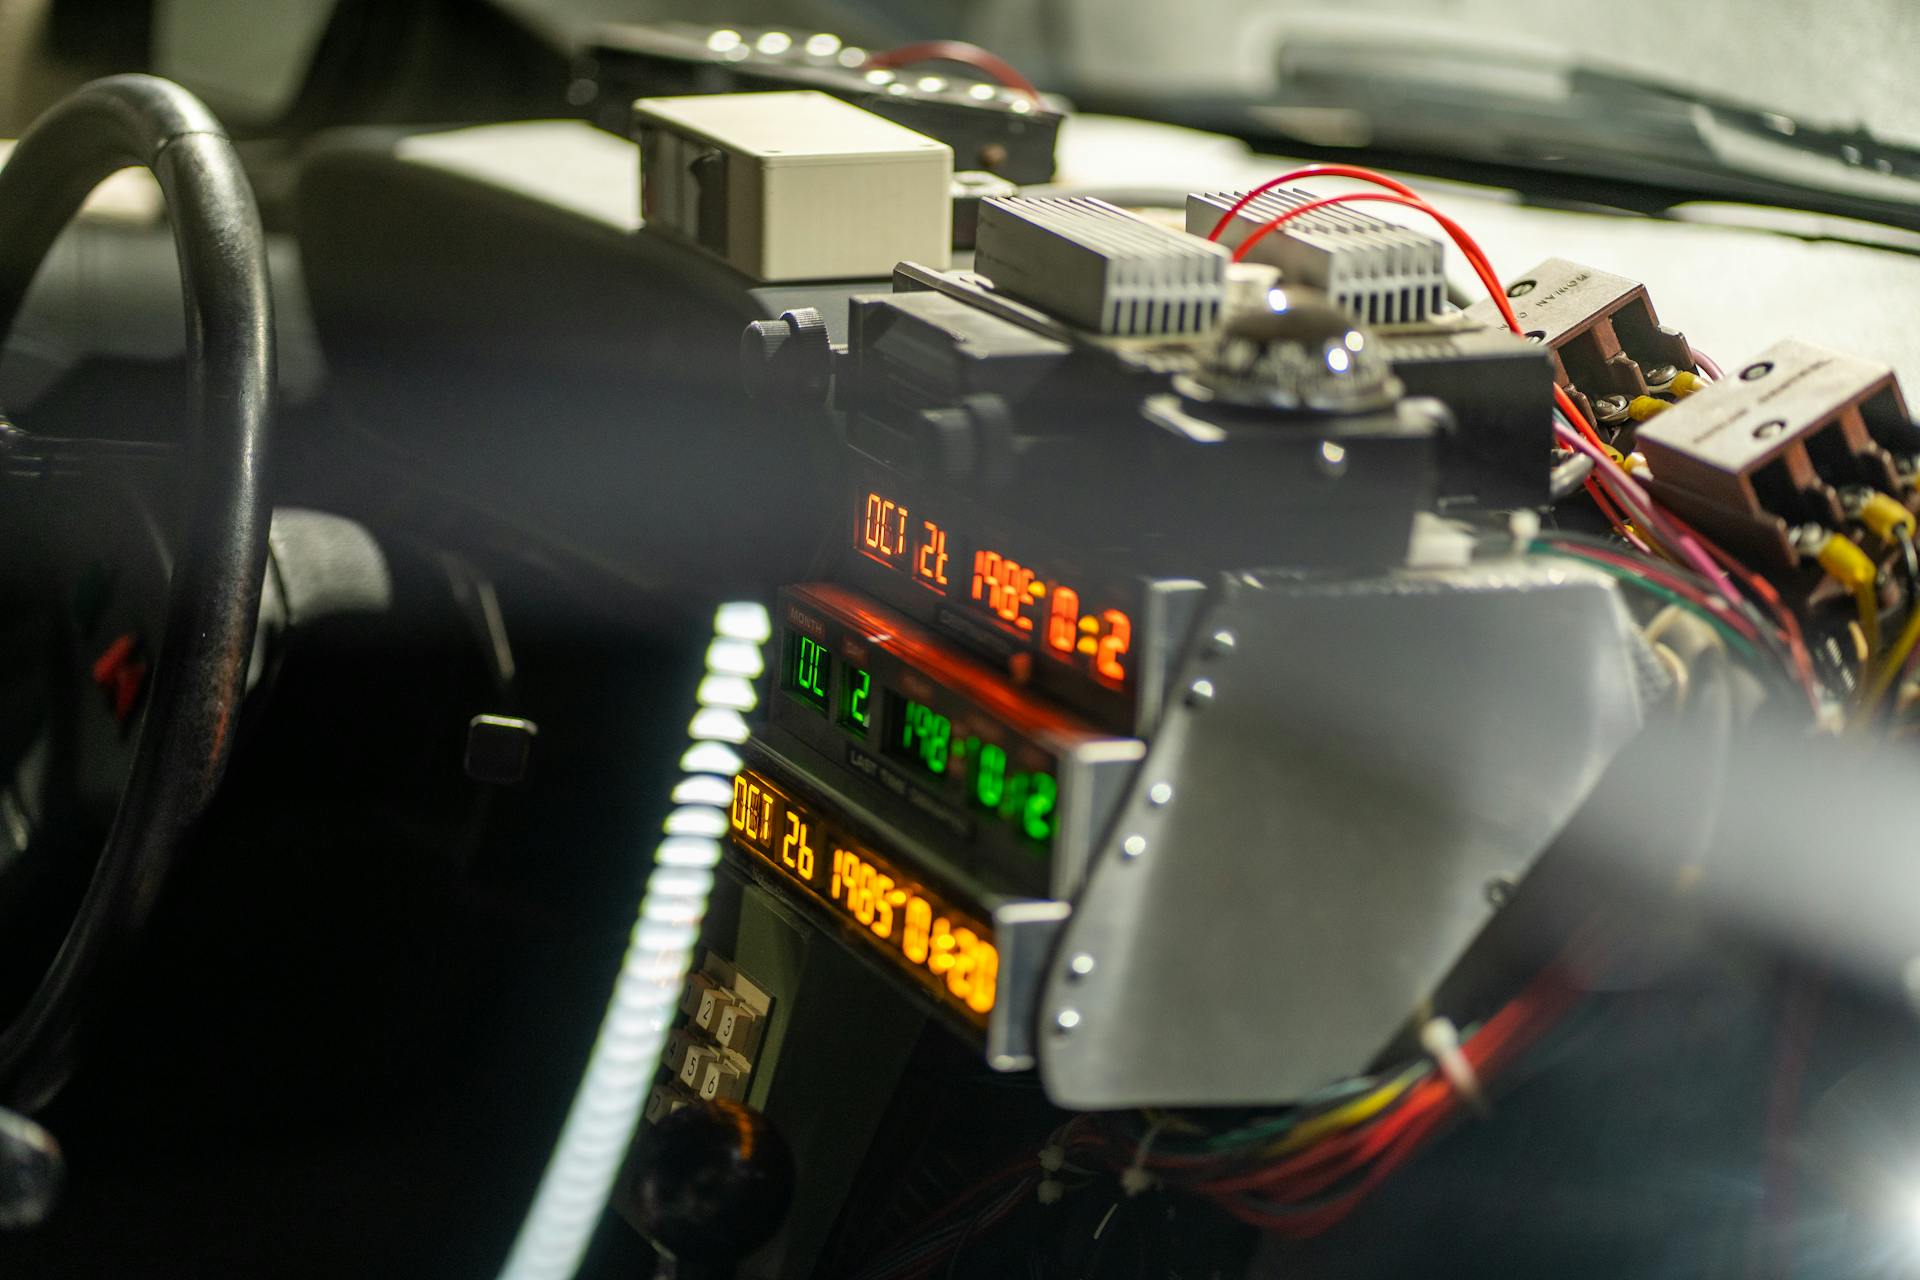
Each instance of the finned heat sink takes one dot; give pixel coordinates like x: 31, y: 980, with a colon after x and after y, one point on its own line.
x: 1379, y: 272
x: 1100, y: 267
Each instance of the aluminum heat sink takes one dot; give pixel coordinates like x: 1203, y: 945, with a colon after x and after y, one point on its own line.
x: 1380, y: 272
x: 1100, y: 267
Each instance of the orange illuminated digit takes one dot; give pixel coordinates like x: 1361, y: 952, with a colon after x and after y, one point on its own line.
x: 1113, y: 645
x: 1063, y: 619
x: 960, y: 976
x: 900, y: 534
x: 871, y: 533
x: 932, y: 561
x: 913, y: 938
x: 883, y: 909
x: 863, y: 894
x: 940, y: 957
x: 986, y: 974
x: 796, y: 834
x: 986, y: 575
x: 738, y: 817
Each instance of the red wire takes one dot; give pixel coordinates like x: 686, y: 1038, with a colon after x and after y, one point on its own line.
x: 1714, y: 604
x: 1310, y: 171
x: 1476, y: 258
x: 988, y: 63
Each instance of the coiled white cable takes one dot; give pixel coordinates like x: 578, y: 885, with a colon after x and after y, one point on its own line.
x: 600, y: 1125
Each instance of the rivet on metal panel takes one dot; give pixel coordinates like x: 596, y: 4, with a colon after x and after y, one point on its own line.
x: 1133, y: 846
x: 1080, y: 966
x: 1065, y: 1021
x: 1159, y: 794
x: 1200, y: 693
x: 1220, y: 644
x: 1755, y: 372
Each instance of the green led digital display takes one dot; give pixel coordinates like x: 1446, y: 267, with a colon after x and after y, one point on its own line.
x: 972, y: 768
x: 925, y: 736
x: 856, y: 701
x: 809, y: 668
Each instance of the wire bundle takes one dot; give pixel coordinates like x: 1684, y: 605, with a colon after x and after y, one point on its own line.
x: 1651, y: 529
x: 1302, y: 1173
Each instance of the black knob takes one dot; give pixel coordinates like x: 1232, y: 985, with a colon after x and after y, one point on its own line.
x: 31, y: 1170
x: 714, y: 1183
x: 787, y: 359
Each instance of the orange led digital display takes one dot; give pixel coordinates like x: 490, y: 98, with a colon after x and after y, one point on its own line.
x: 948, y: 952
x: 1016, y: 596
x: 930, y: 560
x: 884, y: 530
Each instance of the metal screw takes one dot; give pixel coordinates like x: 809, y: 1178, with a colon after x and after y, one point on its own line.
x: 1065, y: 1021
x: 1220, y: 643
x: 1535, y: 335
x: 1769, y: 429
x: 1159, y: 794
x: 1610, y: 408
x: 1499, y: 892
x: 1133, y: 846
x: 1662, y: 376
x: 1200, y: 693
x: 1520, y: 288
x: 1081, y: 965
x: 1754, y: 372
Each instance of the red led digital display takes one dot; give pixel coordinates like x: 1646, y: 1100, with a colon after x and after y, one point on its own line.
x: 995, y: 585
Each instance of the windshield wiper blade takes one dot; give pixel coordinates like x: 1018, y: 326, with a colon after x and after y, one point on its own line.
x: 1396, y: 90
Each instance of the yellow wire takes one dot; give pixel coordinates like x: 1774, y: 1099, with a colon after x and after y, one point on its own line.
x: 1866, y: 599
x: 1345, y: 1116
x: 1887, y: 669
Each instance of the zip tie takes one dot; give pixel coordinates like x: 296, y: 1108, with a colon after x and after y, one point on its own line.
x: 1134, y: 1178
x: 1441, y: 1041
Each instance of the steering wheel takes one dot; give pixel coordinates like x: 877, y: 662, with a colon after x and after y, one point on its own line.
x: 212, y: 597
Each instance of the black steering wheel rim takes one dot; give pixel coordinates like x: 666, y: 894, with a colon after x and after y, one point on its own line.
x: 213, y: 598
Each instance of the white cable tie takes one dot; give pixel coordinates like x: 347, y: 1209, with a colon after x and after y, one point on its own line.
x: 1524, y: 525
x: 1441, y: 1041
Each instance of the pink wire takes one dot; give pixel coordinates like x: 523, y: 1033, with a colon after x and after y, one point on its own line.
x: 1629, y: 491
x: 1705, y: 364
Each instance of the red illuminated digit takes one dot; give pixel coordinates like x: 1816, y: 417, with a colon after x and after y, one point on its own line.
x: 1113, y: 645
x: 870, y: 533
x: 931, y: 564
x: 986, y: 575
x: 1063, y: 619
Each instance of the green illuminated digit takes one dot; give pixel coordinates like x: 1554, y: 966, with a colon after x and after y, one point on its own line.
x: 1037, y: 817
x: 858, y: 690
x: 936, y: 752
x: 990, y: 782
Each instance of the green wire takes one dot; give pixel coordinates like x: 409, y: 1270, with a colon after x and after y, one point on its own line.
x: 1733, y: 638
